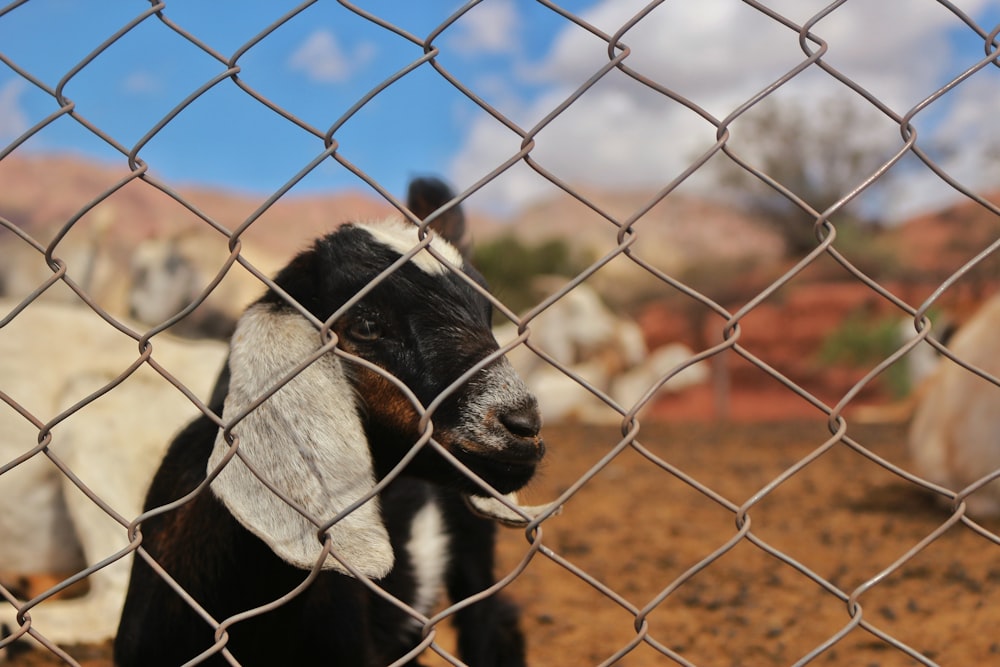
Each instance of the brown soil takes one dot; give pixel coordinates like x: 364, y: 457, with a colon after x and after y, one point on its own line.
x: 636, y: 528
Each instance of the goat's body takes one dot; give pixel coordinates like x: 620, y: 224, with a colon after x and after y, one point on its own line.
x: 235, y: 572
x: 234, y: 560
x: 953, y: 435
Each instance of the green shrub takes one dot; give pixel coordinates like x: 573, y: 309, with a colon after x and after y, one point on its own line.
x: 863, y: 342
x: 510, y: 265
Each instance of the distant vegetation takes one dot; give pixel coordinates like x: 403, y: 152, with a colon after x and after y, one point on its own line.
x: 864, y: 342
x: 510, y: 265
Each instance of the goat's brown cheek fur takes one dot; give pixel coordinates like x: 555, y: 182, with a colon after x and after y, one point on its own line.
x: 386, y: 402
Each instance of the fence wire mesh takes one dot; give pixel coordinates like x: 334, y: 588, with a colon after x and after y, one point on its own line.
x: 80, y: 446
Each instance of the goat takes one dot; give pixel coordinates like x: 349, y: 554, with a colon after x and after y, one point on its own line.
x: 167, y: 274
x: 953, y: 435
x: 323, y: 439
x: 580, y: 332
x: 52, y: 355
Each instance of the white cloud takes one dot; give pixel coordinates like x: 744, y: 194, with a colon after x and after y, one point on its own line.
x: 142, y: 83
x: 323, y: 60
x: 490, y: 27
x: 968, y: 141
x: 716, y: 54
x: 13, y: 119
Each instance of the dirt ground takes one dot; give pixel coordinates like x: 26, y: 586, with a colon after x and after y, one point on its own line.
x: 636, y: 529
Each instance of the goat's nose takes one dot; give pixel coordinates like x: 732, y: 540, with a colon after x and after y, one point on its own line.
x: 524, y: 422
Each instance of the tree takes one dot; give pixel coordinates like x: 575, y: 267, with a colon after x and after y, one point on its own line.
x: 819, y: 153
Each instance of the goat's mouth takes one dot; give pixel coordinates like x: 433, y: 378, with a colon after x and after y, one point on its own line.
x: 520, y: 451
x: 506, y: 469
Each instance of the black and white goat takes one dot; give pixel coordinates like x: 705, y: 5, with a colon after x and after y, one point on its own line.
x: 323, y: 440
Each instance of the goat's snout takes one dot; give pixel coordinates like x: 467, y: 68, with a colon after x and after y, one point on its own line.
x: 521, y: 435
x: 524, y: 421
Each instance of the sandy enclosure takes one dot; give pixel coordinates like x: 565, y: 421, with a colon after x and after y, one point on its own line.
x: 636, y: 528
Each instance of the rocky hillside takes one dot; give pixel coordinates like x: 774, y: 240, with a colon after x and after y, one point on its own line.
x: 39, y: 194
x: 676, y: 234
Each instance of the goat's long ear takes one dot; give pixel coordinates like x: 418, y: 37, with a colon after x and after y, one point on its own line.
x: 306, y: 439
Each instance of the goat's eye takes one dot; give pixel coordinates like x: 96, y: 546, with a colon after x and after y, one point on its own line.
x: 364, y: 330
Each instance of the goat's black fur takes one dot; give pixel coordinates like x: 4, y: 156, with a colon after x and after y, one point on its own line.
x: 336, y: 621
x: 430, y: 329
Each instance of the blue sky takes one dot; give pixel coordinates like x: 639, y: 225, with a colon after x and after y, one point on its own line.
x: 316, y: 66
x: 518, y: 55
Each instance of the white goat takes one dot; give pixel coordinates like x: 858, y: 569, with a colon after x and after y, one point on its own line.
x: 167, y: 274
x: 955, y: 433
x: 52, y: 355
x: 607, y: 351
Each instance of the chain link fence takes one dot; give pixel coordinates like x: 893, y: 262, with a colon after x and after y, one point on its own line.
x: 70, y: 443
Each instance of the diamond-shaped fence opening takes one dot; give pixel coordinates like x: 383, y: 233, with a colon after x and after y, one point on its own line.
x: 741, y: 232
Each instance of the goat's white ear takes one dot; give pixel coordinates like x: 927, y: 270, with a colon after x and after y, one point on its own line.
x: 307, y: 440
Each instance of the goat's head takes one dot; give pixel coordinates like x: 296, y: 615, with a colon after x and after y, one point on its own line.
x: 427, y: 326
x: 324, y: 437
x: 163, y: 281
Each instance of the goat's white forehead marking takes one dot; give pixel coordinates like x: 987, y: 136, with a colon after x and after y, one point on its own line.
x: 401, y: 236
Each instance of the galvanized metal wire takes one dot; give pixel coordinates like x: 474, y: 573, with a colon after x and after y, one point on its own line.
x: 230, y: 72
